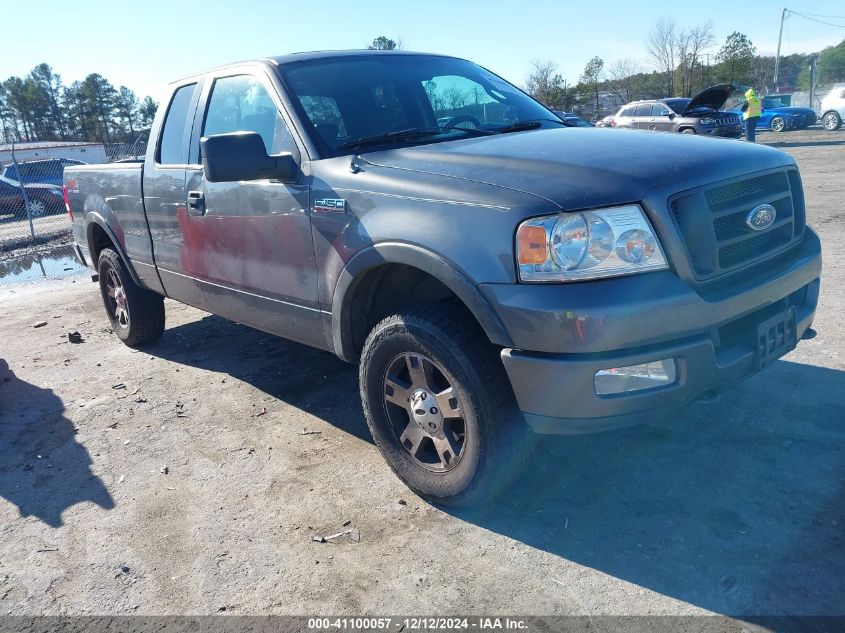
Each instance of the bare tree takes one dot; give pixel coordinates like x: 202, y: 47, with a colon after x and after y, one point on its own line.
x: 691, y: 43
x: 625, y: 80
x: 547, y: 86
x: 662, y: 46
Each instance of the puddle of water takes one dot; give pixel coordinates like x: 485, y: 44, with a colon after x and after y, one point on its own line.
x: 53, y: 264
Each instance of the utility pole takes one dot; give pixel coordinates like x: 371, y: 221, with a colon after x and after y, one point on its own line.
x: 777, y: 57
x: 813, y: 81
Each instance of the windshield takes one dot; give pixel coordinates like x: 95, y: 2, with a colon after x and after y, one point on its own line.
x: 677, y: 105
x: 404, y: 99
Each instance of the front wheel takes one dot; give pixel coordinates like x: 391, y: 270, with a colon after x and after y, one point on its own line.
x: 439, y: 405
x: 778, y: 124
x: 688, y: 130
x: 831, y: 121
x: 136, y: 314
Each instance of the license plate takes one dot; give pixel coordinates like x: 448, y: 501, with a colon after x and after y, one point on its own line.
x: 776, y: 337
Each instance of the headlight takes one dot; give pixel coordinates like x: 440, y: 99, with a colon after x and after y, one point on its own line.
x: 587, y: 245
x: 706, y: 121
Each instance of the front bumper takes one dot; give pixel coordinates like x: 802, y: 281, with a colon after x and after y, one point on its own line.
x: 723, y: 131
x: 564, y: 334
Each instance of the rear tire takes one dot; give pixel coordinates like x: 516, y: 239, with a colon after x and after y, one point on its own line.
x: 438, y: 357
x: 831, y: 121
x: 136, y: 314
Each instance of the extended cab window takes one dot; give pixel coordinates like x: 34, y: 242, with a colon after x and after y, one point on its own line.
x: 243, y: 104
x: 171, y: 144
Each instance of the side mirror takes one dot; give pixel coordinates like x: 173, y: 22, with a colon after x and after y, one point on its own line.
x: 242, y: 156
x: 671, y: 116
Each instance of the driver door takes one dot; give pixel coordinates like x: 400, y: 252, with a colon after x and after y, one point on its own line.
x: 248, y: 245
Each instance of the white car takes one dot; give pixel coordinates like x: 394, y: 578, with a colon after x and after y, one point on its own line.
x: 833, y: 109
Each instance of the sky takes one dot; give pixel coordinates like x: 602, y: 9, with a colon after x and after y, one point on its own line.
x: 144, y: 45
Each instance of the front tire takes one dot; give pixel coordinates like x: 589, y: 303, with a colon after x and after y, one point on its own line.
x: 778, y: 124
x: 688, y: 130
x: 135, y: 313
x: 440, y: 407
x: 831, y: 121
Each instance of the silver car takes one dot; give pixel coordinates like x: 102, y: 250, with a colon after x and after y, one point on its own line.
x: 698, y: 115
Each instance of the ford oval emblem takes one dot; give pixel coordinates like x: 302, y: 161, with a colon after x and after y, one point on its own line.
x: 762, y: 217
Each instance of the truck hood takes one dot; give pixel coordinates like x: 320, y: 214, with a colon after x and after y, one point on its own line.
x: 577, y: 168
x: 713, y: 97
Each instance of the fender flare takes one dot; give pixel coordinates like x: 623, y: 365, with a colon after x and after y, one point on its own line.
x: 411, y: 255
x: 94, y: 218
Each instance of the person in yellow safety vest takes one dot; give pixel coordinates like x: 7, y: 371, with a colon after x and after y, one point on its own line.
x: 751, y: 111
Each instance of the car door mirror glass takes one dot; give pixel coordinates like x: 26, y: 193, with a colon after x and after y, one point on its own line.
x: 242, y: 156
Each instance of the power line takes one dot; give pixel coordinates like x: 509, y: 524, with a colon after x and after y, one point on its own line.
x: 807, y: 17
x: 820, y: 15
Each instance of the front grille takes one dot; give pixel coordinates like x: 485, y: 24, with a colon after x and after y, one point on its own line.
x: 728, y: 120
x: 713, y: 221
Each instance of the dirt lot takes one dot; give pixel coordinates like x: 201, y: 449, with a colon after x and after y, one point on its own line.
x: 737, y: 507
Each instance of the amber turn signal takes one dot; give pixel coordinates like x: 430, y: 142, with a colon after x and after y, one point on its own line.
x: 532, y: 244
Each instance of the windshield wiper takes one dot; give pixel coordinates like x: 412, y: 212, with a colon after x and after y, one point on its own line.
x: 533, y: 124
x: 469, y: 130
x: 397, y: 135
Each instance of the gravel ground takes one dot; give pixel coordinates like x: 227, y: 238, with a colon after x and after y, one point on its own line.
x: 192, y: 476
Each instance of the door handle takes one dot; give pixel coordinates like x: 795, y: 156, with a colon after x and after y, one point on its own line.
x: 196, y: 203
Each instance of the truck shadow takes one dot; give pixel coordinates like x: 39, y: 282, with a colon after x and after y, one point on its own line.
x: 737, y: 507
x: 43, y: 469
x: 781, y: 144
x: 298, y: 375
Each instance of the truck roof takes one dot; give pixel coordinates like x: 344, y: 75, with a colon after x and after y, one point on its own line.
x: 281, y: 60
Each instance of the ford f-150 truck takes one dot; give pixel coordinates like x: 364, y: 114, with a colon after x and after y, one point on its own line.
x: 492, y: 271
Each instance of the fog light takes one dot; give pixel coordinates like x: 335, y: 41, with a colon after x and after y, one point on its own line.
x: 651, y: 375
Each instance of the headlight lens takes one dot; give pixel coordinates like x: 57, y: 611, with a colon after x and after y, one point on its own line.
x: 706, y: 121
x: 588, y: 245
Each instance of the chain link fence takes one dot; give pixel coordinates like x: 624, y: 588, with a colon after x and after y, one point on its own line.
x: 35, y: 231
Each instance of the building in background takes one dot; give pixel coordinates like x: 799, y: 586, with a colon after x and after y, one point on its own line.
x: 40, y: 150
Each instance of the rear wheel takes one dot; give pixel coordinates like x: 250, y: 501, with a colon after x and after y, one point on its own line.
x: 778, y: 124
x: 831, y: 121
x: 136, y: 314
x: 37, y: 207
x: 439, y: 405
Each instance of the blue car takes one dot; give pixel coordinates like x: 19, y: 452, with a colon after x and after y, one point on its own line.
x: 779, y: 118
x: 47, y: 171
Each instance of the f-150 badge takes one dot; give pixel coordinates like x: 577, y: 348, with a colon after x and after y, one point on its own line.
x: 330, y: 205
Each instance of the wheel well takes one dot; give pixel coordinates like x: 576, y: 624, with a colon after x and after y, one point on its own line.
x: 686, y: 127
x: 386, y: 289
x: 97, y: 241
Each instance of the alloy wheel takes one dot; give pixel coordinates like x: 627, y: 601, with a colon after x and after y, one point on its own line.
x: 37, y: 208
x: 778, y: 124
x: 118, y: 305
x: 425, y: 412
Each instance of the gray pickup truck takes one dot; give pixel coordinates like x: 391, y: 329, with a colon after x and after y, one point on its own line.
x: 492, y: 271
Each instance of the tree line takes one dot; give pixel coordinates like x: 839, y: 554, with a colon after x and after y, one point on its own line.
x: 681, y: 62
x: 40, y: 107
